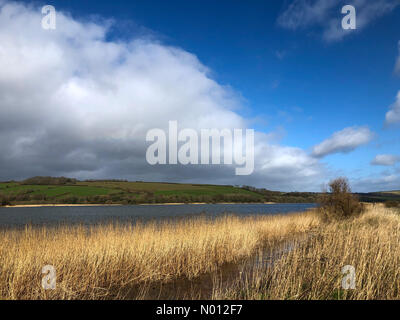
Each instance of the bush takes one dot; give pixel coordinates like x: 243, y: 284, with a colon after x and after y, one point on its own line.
x: 70, y: 200
x: 39, y: 197
x: 22, y: 197
x: 392, y: 204
x: 4, y: 201
x: 338, y: 202
x: 49, y: 181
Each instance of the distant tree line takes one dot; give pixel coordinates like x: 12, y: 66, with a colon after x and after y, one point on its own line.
x: 107, y: 180
x: 284, y: 197
x: 48, y: 181
x: 28, y: 196
x: 40, y: 180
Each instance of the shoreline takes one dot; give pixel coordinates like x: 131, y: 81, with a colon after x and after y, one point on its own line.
x: 60, y: 205
x: 114, y: 205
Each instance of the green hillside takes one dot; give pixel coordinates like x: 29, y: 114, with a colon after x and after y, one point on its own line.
x: 50, y: 190
x: 45, y: 190
x: 120, y: 192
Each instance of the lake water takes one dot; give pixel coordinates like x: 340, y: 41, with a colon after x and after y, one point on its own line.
x: 18, y: 217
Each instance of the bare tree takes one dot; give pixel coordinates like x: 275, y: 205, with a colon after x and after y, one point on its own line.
x: 338, y: 202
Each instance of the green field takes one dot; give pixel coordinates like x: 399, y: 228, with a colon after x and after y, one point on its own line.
x: 121, y: 192
x: 54, y: 191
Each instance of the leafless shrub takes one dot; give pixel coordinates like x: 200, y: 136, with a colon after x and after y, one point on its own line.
x: 338, y: 202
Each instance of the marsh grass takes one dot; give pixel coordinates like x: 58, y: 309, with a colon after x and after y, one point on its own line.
x: 104, y: 262
x: 293, y: 256
x: 312, y: 269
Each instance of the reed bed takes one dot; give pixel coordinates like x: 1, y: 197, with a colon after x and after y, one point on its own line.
x: 296, y: 256
x: 102, y: 262
x: 313, y: 268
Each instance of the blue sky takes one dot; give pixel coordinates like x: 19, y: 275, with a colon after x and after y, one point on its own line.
x: 290, y: 77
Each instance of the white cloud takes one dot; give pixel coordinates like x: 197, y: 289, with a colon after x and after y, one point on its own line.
x: 327, y: 15
x: 385, y: 160
x: 393, y: 115
x: 73, y: 103
x: 302, y: 13
x: 343, y: 141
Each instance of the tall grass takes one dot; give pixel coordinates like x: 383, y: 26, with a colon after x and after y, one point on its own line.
x: 105, y: 261
x: 282, y: 257
x: 312, y: 269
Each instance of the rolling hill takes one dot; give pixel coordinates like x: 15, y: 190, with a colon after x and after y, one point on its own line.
x: 42, y: 190
x: 50, y: 190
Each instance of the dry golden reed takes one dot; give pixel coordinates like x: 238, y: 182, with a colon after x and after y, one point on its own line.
x: 312, y: 269
x: 102, y: 261
x: 298, y: 257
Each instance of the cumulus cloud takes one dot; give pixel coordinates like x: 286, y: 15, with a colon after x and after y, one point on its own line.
x: 385, y: 160
x: 302, y: 14
x: 393, y: 115
x: 343, y: 141
x: 74, y: 103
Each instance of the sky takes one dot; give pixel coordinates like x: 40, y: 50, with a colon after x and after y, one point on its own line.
x: 324, y: 102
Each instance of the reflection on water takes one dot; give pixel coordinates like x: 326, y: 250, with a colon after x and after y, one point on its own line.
x: 102, y: 214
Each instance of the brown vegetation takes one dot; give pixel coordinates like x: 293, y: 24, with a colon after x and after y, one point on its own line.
x: 106, y: 261
x: 338, y: 202
x: 312, y: 269
x: 392, y: 204
x: 282, y: 257
x: 49, y: 181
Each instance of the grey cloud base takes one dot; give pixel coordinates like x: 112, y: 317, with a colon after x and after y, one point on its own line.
x: 73, y: 103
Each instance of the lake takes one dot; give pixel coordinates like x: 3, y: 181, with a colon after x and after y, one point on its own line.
x: 18, y: 217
